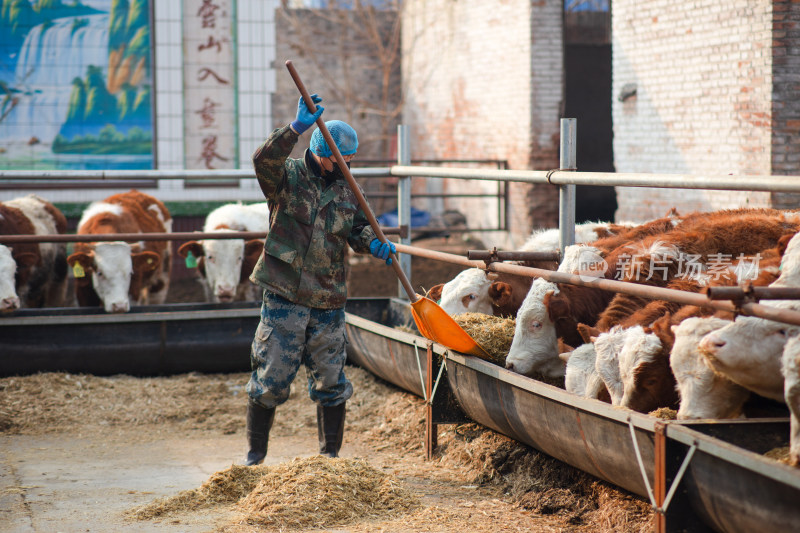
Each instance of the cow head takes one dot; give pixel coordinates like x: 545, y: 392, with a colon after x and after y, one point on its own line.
x: 111, y: 267
x: 15, y: 269
x: 468, y: 292
x: 607, y: 346
x: 749, y: 351
x: 535, y: 345
x: 647, y: 381
x: 703, y: 393
x: 223, y: 263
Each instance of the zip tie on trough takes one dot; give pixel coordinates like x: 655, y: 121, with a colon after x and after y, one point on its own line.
x: 675, y: 482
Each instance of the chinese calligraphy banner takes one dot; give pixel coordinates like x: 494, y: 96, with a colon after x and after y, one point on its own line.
x: 209, y: 84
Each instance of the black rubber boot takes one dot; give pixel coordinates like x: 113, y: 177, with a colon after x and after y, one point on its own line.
x: 259, y: 422
x: 330, y: 428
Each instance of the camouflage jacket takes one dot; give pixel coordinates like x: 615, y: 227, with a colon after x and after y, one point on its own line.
x: 310, y: 225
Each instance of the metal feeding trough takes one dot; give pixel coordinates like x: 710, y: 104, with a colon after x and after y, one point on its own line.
x: 699, y: 475
x: 147, y: 341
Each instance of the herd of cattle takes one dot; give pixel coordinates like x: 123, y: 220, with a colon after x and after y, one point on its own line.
x: 115, y: 273
x: 627, y: 350
x: 646, y: 354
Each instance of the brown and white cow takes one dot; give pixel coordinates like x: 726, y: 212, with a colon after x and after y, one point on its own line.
x: 31, y: 274
x: 112, y: 274
x: 551, y: 311
x: 226, y: 264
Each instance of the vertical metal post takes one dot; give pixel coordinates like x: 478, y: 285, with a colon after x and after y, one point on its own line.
x: 404, y: 203
x: 566, y: 193
x: 431, y: 429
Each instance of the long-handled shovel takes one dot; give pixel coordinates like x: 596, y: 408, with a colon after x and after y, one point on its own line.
x: 432, y: 321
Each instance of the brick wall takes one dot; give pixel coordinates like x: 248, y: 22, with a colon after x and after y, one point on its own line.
x: 484, y: 81
x: 785, y: 101
x: 703, y: 103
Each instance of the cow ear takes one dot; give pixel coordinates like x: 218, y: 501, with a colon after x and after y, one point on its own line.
x: 565, y: 356
x: 84, y: 259
x: 253, y: 247
x: 145, y: 261
x: 587, y: 332
x: 192, y: 246
x: 783, y: 242
x: 26, y: 259
x: 556, y: 307
x: 500, y: 293
x: 435, y: 292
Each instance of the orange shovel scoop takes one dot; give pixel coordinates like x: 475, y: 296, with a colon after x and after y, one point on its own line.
x: 432, y: 321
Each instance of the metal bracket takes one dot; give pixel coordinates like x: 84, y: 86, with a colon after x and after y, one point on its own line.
x: 662, y: 509
x: 748, y: 296
x: 421, y: 376
x: 429, y: 401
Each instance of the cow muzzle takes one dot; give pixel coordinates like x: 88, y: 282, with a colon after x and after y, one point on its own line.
x: 225, y: 294
x: 9, y: 304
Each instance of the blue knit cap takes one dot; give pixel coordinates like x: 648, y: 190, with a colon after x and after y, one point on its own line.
x: 343, y: 135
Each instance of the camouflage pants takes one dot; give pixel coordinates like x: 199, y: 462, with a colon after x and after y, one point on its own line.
x: 290, y: 334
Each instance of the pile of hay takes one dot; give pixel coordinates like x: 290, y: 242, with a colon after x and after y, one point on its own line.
x: 493, y: 333
x: 224, y: 487
x: 321, y: 492
x: 664, y: 413
x: 314, y: 492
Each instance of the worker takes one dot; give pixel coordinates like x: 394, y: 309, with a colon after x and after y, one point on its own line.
x: 314, y: 215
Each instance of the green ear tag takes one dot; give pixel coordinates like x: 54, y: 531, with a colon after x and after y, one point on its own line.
x: 191, y: 261
x: 77, y: 271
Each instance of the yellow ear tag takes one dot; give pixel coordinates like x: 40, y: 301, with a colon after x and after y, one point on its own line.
x: 191, y: 261
x: 77, y: 271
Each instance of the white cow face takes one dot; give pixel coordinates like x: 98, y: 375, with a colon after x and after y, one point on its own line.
x: 608, y: 346
x: 640, y: 349
x: 580, y: 368
x: 535, y: 345
x: 223, y: 267
x: 111, y: 272
x: 749, y: 351
x: 468, y: 292
x: 8, y: 269
x: 704, y: 394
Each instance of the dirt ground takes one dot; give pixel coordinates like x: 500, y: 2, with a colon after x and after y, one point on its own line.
x: 88, y: 453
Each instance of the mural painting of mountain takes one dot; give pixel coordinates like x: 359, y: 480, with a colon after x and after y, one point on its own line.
x: 75, y: 82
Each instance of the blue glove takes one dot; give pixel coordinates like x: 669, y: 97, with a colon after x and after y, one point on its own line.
x: 382, y: 250
x: 304, y: 118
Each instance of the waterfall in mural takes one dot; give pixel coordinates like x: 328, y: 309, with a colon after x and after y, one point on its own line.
x: 50, y: 58
x: 80, y: 95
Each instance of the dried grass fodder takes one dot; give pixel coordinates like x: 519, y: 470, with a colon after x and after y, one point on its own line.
x: 493, y: 333
x: 224, y: 487
x: 321, y: 492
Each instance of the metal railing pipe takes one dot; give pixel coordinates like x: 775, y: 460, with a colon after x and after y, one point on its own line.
x: 609, y: 179
x: 656, y: 293
x: 139, y: 175
x: 754, y: 293
x: 174, y: 236
x: 495, y: 255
